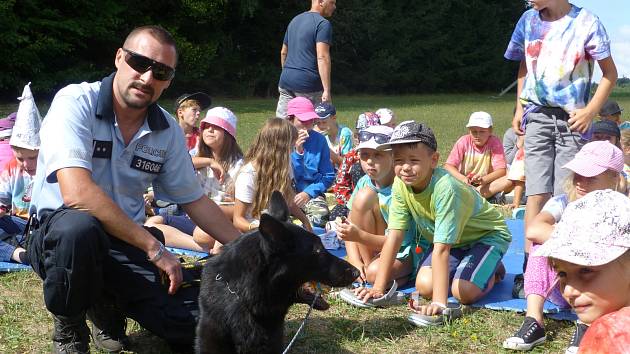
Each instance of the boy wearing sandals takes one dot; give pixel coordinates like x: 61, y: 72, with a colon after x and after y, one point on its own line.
x: 364, y: 232
x: 469, y: 235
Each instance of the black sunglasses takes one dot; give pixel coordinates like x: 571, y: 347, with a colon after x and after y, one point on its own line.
x: 365, y: 135
x: 142, y: 64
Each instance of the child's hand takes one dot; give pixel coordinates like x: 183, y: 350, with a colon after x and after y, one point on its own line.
x: 431, y: 309
x: 346, y: 230
x: 217, y: 170
x: 516, y: 121
x: 299, y: 143
x: 580, y: 120
x: 476, y: 180
x: 148, y: 198
x: 301, y: 199
x: 364, y: 294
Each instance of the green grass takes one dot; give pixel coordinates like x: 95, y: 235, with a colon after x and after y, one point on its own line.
x: 25, y: 325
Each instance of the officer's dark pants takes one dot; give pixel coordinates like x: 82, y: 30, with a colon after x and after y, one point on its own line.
x: 80, y: 264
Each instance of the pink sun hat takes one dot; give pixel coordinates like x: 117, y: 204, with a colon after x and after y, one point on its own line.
x: 595, y: 158
x: 302, y: 108
x: 222, y: 118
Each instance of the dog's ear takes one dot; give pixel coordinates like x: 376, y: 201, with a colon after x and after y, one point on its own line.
x: 278, y: 207
x: 275, y: 232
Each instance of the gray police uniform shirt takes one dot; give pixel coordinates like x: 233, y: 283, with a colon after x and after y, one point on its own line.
x: 80, y: 130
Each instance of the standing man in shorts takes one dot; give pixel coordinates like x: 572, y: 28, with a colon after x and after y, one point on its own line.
x: 305, y: 57
x: 102, y: 144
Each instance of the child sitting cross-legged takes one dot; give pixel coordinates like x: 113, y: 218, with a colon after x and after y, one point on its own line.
x: 477, y: 158
x: 588, y: 250
x: 596, y: 166
x: 468, y: 234
x: 364, y: 232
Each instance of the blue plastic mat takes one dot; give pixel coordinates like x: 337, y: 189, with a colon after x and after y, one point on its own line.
x: 500, y: 298
x: 185, y: 252
x: 6, y: 267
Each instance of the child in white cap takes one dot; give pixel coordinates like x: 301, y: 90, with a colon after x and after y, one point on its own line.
x: 16, y: 179
x: 477, y: 158
x: 589, y: 252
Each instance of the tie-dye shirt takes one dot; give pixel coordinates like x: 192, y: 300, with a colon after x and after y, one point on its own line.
x: 470, y: 159
x: 448, y: 211
x: 15, y: 189
x: 559, y: 57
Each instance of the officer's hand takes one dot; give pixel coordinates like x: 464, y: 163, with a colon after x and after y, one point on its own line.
x: 173, y: 269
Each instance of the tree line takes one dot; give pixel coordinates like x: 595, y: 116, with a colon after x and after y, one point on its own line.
x: 232, y: 47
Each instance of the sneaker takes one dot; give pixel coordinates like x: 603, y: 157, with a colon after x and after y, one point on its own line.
x: 528, y: 336
x: 451, y: 312
x: 518, y: 289
x: 70, y: 335
x: 109, y: 326
x: 580, y: 329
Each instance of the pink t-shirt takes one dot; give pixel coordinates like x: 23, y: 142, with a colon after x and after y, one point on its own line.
x: 468, y: 158
x: 6, y: 153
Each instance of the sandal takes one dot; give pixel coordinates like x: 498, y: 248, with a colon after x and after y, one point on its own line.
x: 452, y: 311
x: 391, y: 298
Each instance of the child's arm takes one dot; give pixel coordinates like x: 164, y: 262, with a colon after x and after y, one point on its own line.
x: 239, y: 220
x: 299, y: 214
x: 393, y: 240
x: 440, y: 273
x: 518, y: 114
x: 540, y: 228
x: 348, y: 231
x: 580, y: 119
x: 492, y: 176
x: 454, y: 171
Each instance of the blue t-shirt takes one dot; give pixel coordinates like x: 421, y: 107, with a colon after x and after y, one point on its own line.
x: 313, y: 171
x: 300, y: 73
x: 81, y: 130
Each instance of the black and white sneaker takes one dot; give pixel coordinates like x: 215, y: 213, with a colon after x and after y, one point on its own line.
x: 528, y: 336
x: 580, y: 329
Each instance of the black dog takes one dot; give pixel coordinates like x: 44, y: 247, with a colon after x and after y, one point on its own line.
x: 247, y: 289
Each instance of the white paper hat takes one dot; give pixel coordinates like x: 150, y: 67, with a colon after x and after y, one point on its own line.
x: 27, y: 123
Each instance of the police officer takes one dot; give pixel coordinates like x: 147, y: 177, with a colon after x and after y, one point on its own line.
x: 103, y: 143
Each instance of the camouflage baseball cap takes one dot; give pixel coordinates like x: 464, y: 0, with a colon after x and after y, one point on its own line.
x: 594, y: 230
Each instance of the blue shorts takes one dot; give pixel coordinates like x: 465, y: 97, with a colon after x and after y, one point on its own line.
x: 180, y: 222
x: 475, y: 264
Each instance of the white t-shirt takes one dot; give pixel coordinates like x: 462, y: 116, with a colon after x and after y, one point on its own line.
x: 244, y: 187
x: 556, y: 205
x: 211, y: 185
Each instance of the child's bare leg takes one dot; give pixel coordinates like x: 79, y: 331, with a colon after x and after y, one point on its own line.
x: 519, y: 188
x: 175, y: 238
x: 400, y: 271
x: 467, y: 292
x: 424, y: 282
x: 535, y: 305
x: 203, y: 240
x: 154, y: 220
x: 366, y: 215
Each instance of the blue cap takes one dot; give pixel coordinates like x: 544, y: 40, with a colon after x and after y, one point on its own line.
x: 325, y: 110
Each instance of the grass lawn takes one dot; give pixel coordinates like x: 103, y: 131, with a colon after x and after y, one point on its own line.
x: 25, y: 325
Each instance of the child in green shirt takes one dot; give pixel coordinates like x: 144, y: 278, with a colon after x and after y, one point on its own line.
x: 469, y: 235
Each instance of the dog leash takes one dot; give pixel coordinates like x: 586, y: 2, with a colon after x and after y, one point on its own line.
x: 317, y: 294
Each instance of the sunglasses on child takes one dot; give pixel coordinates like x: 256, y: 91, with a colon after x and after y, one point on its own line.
x: 365, y: 135
x: 142, y: 64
